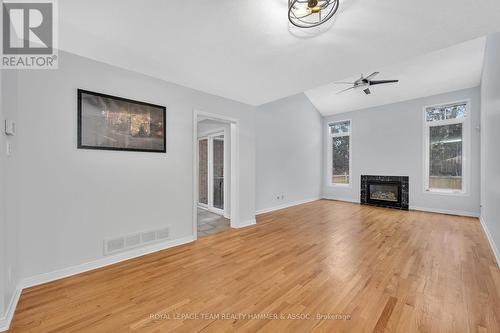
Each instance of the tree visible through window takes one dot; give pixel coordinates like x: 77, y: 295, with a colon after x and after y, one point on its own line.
x: 340, y: 133
x: 445, y: 128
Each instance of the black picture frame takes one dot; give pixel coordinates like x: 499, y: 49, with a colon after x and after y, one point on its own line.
x: 80, y: 125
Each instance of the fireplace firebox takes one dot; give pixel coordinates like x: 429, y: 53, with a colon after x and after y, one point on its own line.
x: 385, y: 191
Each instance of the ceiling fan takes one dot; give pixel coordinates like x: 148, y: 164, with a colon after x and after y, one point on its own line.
x: 365, y: 82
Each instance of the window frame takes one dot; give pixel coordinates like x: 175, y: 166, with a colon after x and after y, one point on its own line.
x: 466, y: 144
x: 330, y: 153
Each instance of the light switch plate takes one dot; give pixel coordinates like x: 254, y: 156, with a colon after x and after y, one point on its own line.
x: 10, y: 127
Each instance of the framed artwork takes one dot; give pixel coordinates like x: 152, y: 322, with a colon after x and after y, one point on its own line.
x: 116, y: 123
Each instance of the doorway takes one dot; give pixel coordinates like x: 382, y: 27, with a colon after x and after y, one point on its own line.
x: 215, y: 204
x: 211, y: 169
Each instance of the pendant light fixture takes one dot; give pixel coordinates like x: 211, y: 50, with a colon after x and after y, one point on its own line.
x: 311, y: 13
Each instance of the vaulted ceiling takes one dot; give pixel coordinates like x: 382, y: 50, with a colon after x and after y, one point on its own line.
x: 453, y: 68
x: 246, y: 51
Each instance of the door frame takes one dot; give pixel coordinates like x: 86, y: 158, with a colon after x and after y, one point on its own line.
x: 210, y: 137
x: 234, y: 140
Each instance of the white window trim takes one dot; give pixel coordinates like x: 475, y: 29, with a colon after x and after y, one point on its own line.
x: 329, y: 164
x: 466, y: 136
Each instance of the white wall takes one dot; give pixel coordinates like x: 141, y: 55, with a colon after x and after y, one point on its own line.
x: 289, y: 152
x: 72, y: 199
x: 3, y: 238
x: 490, y: 142
x: 9, y: 189
x: 388, y: 140
x: 208, y: 126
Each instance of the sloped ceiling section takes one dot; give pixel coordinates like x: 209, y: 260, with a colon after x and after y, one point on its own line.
x: 454, y: 68
x: 246, y: 51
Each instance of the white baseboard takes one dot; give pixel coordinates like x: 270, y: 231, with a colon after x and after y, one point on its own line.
x: 423, y: 209
x: 77, y: 269
x: 11, y: 308
x: 105, y: 261
x: 493, y: 246
x: 341, y: 199
x: 445, y: 211
x: 286, y: 205
x: 246, y: 224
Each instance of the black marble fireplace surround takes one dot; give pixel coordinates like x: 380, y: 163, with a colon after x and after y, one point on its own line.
x: 385, y: 191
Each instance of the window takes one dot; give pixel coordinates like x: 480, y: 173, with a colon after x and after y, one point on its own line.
x: 340, y: 145
x: 446, y: 136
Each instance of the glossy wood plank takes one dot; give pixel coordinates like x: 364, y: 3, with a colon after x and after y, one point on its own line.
x: 342, y: 266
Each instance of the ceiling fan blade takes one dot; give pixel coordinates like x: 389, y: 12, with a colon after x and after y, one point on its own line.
x: 372, y: 83
x: 339, y: 92
x: 367, y: 91
x: 343, y: 82
x: 372, y: 75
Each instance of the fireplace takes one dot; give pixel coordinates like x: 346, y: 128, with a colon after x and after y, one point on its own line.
x: 385, y: 191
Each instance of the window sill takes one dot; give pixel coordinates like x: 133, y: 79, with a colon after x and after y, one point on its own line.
x: 446, y: 192
x: 339, y: 185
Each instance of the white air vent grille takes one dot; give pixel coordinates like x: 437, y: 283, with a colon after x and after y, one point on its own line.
x: 125, y: 242
x: 116, y: 244
x: 133, y: 240
x: 149, y: 236
x: 163, y: 233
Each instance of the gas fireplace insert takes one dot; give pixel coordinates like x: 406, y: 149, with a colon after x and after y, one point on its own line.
x: 385, y: 191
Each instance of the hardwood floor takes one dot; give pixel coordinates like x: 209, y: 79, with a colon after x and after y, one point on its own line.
x: 363, y: 269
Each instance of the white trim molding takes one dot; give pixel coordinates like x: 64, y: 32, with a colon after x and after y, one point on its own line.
x: 9, y: 311
x: 445, y: 211
x: 245, y: 224
x: 355, y: 201
x: 493, y: 246
x: 81, y: 268
x: 286, y: 205
x: 466, y: 147
x: 422, y: 209
x: 234, y: 213
x: 102, y: 262
x: 329, y: 153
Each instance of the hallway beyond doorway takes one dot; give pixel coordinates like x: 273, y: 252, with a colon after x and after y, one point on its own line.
x: 211, y: 223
